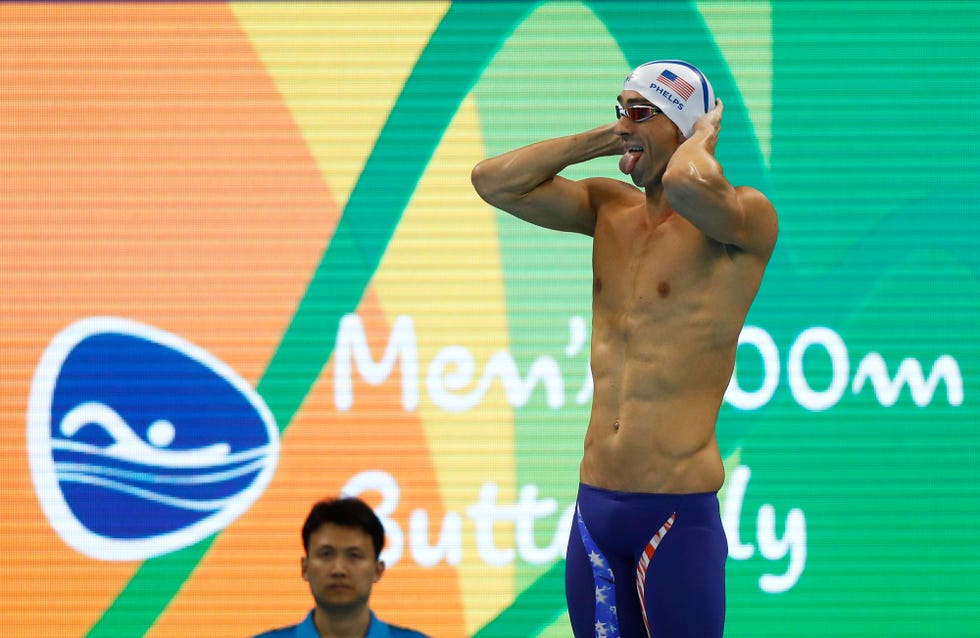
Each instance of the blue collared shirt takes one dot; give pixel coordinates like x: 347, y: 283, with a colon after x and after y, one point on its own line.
x: 377, y: 629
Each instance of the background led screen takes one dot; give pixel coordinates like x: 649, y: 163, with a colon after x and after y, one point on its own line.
x: 243, y: 267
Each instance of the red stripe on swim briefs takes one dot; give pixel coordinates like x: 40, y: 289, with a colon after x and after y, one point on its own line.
x: 645, y: 558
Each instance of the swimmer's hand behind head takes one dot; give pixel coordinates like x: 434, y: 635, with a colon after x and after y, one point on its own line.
x: 709, y: 125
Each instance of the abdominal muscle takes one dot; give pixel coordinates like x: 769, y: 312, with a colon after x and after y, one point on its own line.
x: 667, y: 309
x: 652, y: 427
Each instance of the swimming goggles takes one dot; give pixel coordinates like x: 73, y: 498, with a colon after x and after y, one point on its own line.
x: 637, y: 112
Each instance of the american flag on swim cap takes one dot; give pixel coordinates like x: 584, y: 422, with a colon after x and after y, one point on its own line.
x: 684, y: 88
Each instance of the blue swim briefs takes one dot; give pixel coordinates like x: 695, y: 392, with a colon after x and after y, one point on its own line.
x: 646, y: 565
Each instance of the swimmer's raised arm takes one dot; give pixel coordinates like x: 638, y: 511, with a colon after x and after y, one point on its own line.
x: 525, y: 182
x: 696, y: 187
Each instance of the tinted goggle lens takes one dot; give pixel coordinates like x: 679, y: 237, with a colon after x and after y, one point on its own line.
x: 637, y: 112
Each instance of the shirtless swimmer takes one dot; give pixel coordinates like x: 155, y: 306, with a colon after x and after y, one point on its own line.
x: 677, y: 261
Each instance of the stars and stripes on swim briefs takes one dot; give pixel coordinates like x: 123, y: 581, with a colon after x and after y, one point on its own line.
x: 644, y: 563
x: 606, y: 620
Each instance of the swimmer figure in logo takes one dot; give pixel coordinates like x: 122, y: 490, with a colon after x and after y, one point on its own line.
x: 677, y: 263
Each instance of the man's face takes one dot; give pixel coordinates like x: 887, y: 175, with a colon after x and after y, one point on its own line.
x: 341, y: 567
x: 647, y: 145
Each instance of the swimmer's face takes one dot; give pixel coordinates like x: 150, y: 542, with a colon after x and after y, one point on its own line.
x: 648, y: 143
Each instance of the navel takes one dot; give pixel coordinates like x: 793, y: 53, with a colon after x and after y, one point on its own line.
x: 663, y: 289
x: 616, y: 425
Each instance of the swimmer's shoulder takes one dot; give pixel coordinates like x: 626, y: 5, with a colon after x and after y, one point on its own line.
x: 607, y: 192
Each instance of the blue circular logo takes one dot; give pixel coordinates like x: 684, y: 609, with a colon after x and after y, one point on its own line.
x: 142, y: 443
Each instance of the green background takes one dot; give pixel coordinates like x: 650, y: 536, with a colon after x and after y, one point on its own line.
x: 874, y: 171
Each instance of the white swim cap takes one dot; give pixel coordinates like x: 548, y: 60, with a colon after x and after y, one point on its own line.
x: 677, y: 88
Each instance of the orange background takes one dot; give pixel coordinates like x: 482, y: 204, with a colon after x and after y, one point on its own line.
x: 150, y: 163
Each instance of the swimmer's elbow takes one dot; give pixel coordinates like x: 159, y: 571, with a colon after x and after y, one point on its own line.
x: 481, y: 179
x: 486, y: 182
x: 492, y: 185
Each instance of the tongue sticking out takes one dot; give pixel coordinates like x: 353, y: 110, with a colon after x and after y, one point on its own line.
x: 628, y: 161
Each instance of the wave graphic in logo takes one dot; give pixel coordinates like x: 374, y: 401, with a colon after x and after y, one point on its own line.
x: 142, y: 443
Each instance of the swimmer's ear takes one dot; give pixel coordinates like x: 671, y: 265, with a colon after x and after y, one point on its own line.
x: 680, y: 136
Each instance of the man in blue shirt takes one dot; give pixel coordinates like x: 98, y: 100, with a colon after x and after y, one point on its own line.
x: 343, y: 538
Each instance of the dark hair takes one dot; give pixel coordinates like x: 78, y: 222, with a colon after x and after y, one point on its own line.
x: 346, y: 511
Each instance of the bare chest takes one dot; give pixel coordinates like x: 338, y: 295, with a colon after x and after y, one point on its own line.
x: 639, y: 266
